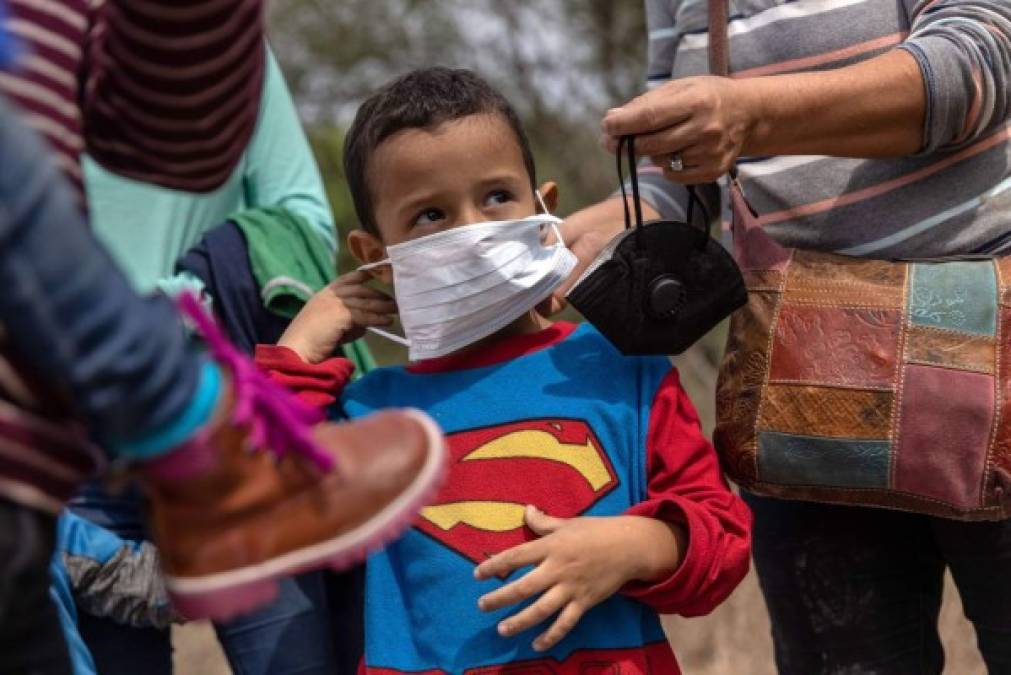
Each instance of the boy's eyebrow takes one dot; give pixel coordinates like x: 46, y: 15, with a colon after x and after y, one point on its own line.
x: 426, y: 198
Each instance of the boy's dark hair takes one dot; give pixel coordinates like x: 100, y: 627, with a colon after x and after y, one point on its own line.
x: 421, y: 99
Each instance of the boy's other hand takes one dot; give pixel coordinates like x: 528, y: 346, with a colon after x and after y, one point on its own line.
x: 579, y: 562
x: 338, y: 313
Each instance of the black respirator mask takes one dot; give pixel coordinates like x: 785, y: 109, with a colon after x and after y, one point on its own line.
x: 658, y: 287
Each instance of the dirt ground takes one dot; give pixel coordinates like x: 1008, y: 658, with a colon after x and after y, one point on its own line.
x: 734, y: 640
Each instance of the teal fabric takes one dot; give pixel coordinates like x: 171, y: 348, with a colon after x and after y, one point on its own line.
x: 147, y: 228
x: 960, y: 296
x: 790, y: 459
x: 197, y: 413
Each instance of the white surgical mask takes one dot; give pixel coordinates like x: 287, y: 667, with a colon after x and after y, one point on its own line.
x: 459, y: 286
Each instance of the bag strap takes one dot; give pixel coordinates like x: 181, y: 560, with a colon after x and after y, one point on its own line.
x: 626, y: 146
x: 719, y: 41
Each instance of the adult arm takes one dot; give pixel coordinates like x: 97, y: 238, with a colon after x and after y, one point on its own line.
x: 945, y: 86
x: 173, y: 88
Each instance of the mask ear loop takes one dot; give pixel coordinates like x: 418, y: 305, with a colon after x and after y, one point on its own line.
x: 393, y: 337
x: 540, y: 200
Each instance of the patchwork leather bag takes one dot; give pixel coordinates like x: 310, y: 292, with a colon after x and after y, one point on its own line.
x: 866, y: 382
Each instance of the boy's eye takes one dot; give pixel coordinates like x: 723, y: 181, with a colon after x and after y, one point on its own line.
x: 429, y: 217
x: 498, y: 197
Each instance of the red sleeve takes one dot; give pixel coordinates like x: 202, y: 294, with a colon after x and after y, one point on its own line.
x: 318, y: 385
x: 172, y: 91
x: 685, y: 486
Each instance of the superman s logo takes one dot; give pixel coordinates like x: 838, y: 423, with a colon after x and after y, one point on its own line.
x: 558, y: 465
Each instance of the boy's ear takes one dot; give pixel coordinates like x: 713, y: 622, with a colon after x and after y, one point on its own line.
x: 549, y: 193
x: 367, y: 248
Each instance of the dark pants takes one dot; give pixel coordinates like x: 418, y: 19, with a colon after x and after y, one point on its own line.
x: 853, y: 590
x: 313, y: 628
x: 31, y: 640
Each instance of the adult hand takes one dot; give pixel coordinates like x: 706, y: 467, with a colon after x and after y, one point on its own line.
x: 706, y: 121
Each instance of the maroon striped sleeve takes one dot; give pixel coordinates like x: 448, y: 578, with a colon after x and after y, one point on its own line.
x: 173, y: 91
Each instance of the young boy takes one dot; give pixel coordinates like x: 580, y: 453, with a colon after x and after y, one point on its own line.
x: 581, y: 489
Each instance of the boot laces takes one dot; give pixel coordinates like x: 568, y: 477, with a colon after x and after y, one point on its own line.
x: 276, y: 418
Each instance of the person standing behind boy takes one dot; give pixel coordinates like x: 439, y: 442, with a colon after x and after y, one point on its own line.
x: 566, y: 456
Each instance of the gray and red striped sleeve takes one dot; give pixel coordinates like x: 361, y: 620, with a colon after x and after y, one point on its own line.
x: 173, y: 88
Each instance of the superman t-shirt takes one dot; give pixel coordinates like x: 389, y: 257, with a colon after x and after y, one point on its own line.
x: 561, y: 420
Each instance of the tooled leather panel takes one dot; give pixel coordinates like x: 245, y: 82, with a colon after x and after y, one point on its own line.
x: 825, y: 411
x: 835, y: 346
x: 841, y: 281
x: 959, y: 295
x: 951, y: 349
x: 944, y: 431
x: 792, y: 459
x: 739, y: 386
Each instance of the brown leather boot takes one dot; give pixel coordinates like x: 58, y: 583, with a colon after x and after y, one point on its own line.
x: 230, y: 516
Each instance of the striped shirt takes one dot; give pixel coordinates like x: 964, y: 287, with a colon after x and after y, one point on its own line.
x: 953, y: 197
x: 163, y: 91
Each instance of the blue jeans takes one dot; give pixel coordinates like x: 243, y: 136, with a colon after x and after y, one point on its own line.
x: 854, y: 590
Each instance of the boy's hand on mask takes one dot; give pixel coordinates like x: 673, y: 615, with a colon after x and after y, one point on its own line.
x: 579, y: 563
x: 338, y: 313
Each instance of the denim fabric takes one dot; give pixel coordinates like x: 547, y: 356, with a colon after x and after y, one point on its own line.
x: 70, y: 313
x: 31, y: 640
x: 291, y: 636
x: 854, y: 590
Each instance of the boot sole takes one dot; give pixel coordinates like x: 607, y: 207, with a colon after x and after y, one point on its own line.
x: 224, y: 595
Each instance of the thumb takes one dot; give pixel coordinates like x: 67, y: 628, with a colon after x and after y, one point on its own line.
x: 652, y: 111
x: 541, y: 523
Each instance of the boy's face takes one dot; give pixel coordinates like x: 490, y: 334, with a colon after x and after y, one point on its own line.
x: 423, y: 181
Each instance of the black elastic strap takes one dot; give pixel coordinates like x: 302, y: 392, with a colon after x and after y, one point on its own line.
x: 627, y: 144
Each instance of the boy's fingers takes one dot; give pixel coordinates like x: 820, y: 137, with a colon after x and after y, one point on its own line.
x: 353, y: 290
x: 505, y: 562
x: 541, y: 523
x: 363, y: 318
x: 539, y: 612
x: 562, y: 626
x: 528, y: 585
x: 356, y: 277
x: 375, y: 305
